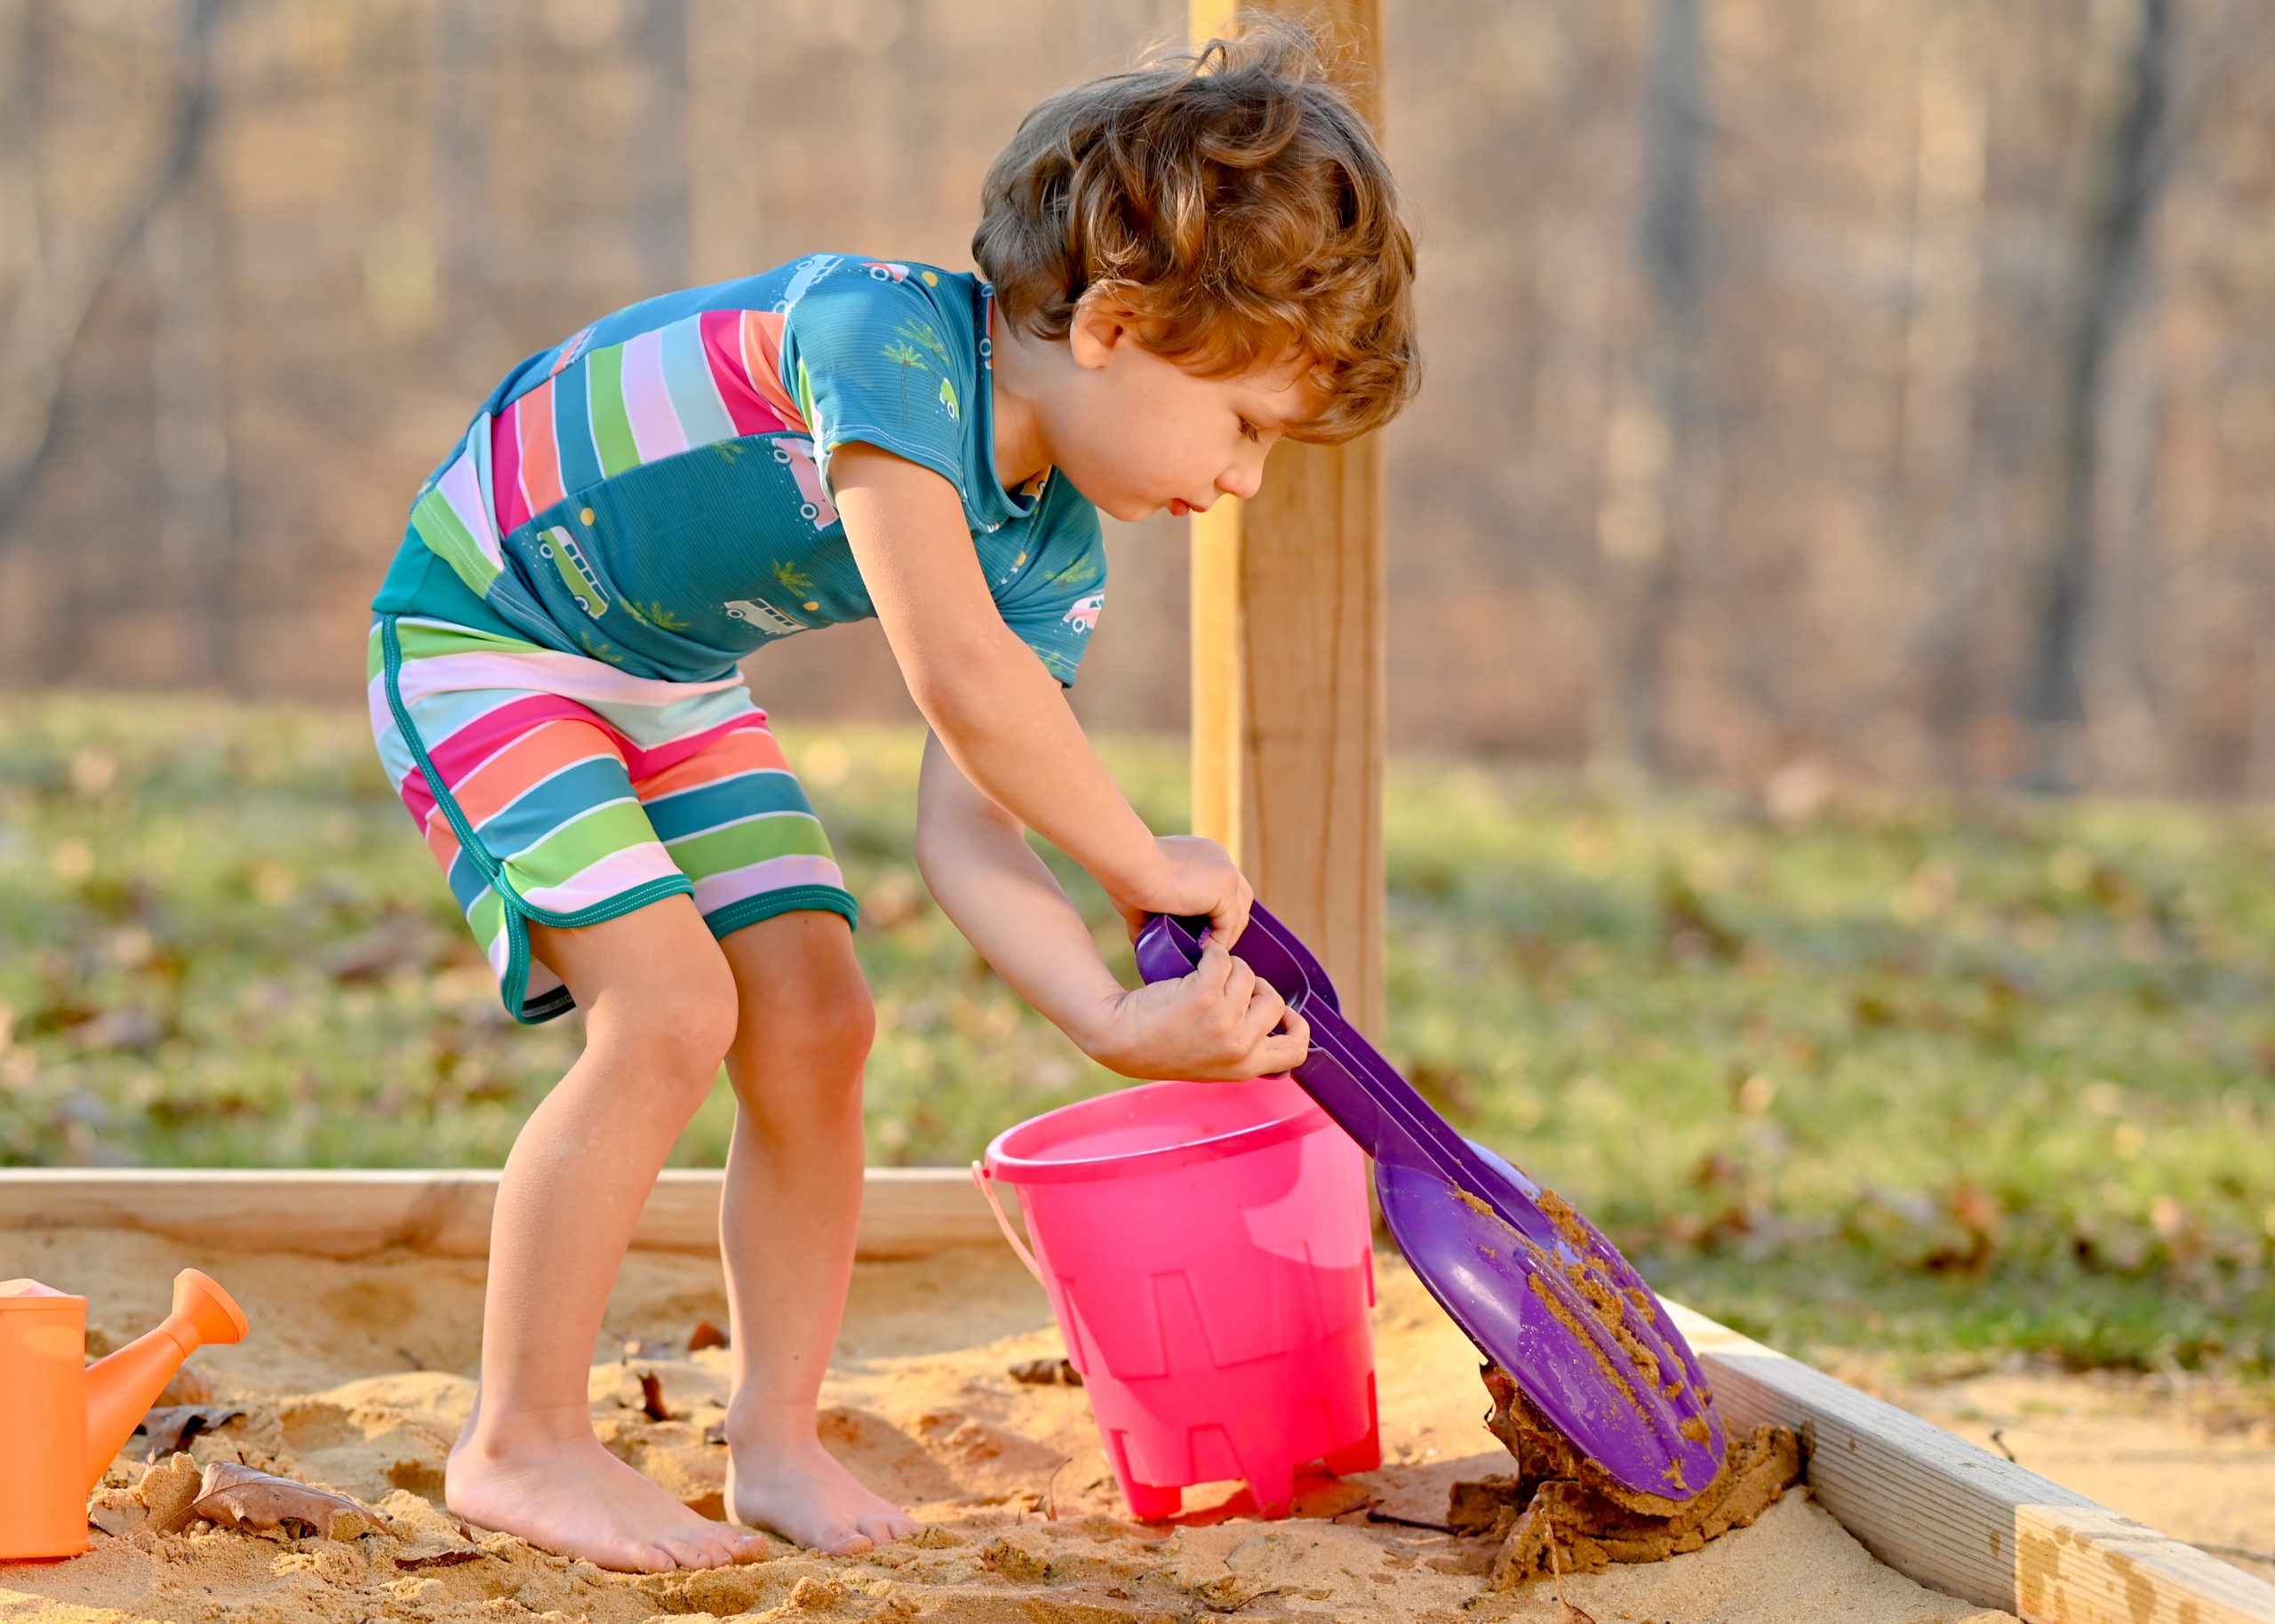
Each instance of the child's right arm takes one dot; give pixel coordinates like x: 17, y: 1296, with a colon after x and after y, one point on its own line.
x: 1217, y: 1022
x: 1000, y: 716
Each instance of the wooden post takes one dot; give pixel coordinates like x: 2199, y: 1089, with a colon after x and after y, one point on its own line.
x: 1287, y: 671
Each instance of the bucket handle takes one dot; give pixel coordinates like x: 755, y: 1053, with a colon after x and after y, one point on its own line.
x: 979, y: 1176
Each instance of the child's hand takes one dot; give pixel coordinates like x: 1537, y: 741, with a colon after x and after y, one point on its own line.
x: 1191, y: 876
x: 1213, y: 1025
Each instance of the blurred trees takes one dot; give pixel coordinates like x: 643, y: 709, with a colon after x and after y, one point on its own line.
x: 1886, y: 388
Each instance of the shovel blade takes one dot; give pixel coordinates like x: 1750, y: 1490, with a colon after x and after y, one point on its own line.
x: 1545, y: 1297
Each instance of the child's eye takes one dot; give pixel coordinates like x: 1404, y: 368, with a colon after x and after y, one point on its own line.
x: 1250, y: 430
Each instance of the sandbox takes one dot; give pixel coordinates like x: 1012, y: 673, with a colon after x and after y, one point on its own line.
x: 359, y: 1371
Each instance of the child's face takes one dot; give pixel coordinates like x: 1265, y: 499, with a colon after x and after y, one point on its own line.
x: 1139, y: 434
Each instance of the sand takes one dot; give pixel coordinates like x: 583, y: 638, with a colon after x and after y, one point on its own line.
x: 357, y: 1375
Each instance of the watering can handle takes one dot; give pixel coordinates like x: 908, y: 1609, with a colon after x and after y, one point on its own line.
x: 987, y: 1188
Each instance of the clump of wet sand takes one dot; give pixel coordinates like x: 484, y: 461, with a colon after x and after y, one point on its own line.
x: 357, y: 1375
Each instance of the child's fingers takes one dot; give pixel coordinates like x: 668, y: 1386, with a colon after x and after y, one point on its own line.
x: 1229, y: 916
x: 1264, y: 1012
x: 1281, y: 1052
x: 1214, y: 969
x: 1276, y: 1052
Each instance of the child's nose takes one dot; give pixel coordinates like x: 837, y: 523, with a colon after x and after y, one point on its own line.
x: 1242, y: 482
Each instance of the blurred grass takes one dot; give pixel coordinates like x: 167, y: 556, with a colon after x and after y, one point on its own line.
x: 1922, y: 1077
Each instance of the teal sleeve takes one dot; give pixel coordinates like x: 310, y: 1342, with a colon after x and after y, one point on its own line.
x: 1055, y: 602
x: 869, y: 357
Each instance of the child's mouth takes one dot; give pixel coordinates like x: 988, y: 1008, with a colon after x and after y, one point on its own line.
x: 1179, y: 507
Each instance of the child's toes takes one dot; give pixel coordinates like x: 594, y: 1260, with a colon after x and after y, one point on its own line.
x: 683, y: 1550
x: 884, y: 1529
x: 717, y: 1545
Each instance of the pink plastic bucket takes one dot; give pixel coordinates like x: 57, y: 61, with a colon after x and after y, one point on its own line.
x: 1207, y: 1252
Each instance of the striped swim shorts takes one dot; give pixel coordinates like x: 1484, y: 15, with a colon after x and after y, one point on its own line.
x: 557, y: 788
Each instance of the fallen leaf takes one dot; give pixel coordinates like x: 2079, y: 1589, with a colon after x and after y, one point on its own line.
x: 441, y: 1558
x: 651, y: 1396
x: 1231, y: 1592
x: 706, y: 1335
x: 171, y: 1427
x: 240, y: 1497
x: 1048, y: 1373
x: 1978, y: 1214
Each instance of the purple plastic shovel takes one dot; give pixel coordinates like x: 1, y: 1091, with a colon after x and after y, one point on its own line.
x: 1532, y: 1283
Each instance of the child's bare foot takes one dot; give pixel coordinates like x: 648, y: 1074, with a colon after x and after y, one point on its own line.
x: 568, y: 1494
x: 796, y: 1488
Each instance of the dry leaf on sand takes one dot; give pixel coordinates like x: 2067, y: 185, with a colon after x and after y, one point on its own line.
x: 441, y: 1558
x: 1047, y: 1372
x: 170, y: 1427
x: 240, y: 1497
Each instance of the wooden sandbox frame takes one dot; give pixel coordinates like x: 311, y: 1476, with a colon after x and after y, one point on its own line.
x: 1932, y: 1506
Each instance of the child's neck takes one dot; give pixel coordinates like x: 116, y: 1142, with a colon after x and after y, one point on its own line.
x: 1021, y: 451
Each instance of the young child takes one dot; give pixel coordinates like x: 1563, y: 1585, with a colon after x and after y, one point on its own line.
x: 1181, y: 265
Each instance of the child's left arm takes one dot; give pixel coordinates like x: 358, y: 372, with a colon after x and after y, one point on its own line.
x: 1216, y: 1025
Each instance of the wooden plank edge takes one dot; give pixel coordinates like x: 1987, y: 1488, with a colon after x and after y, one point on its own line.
x: 1960, y: 1519
x: 1930, y: 1505
x: 906, y: 1212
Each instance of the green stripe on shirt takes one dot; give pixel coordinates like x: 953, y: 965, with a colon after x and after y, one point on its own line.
x: 612, y: 424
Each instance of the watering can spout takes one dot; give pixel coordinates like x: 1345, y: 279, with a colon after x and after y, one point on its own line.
x: 122, y: 1387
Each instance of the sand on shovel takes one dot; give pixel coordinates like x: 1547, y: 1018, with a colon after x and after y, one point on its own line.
x: 356, y: 1376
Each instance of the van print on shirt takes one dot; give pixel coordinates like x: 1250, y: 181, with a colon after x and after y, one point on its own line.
x: 757, y: 612
x: 810, y: 271
x: 1084, y: 615
x: 568, y: 561
x: 814, y: 505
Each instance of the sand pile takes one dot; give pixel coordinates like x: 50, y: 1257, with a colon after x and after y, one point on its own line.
x: 357, y: 1376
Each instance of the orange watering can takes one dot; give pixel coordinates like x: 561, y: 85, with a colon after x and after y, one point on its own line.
x: 61, y: 1420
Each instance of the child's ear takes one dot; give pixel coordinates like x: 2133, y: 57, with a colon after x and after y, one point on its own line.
x: 1102, y: 324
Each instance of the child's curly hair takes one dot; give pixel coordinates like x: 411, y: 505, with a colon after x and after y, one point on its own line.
x: 1234, y: 199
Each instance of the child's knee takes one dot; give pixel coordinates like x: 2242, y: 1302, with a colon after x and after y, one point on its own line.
x: 849, y: 1030
x: 806, y: 1043
x: 681, y: 1021
x: 830, y: 1038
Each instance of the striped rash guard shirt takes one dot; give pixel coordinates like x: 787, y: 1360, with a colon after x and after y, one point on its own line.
x: 655, y: 492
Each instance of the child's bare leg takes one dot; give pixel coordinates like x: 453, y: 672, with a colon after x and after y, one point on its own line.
x: 787, y: 1224
x: 659, y: 1009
